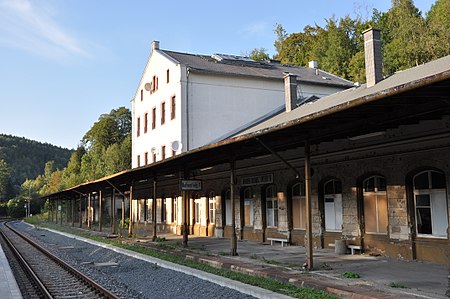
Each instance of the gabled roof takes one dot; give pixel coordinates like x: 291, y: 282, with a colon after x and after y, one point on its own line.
x: 242, y: 66
x: 398, y: 82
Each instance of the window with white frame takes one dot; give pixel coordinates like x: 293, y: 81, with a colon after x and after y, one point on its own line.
x: 271, y: 206
x: 197, y: 210
x: 174, y: 208
x: 248, y: 207
x: 333, y: 205
x: 212, y: 208
x: 299, y: 206
x: 430, y: 202
x: 375, y: 205
x: 228, y: 212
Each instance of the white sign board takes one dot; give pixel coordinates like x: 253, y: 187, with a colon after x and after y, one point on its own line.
x: 191, y: 185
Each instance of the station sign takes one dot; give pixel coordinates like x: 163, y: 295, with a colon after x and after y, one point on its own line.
x: 191, y: 185
x: 257, y: 180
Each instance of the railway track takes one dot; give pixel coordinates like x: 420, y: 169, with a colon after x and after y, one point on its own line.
x: 47, y: 276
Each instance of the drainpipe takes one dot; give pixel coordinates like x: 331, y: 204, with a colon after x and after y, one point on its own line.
x: 187, y: 108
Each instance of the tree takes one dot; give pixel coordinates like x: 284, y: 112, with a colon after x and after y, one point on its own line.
x: 438, y: 25
x: 109, y: 129
x: 5, y: 184
x: 405, y: 37
x: 259, y: 54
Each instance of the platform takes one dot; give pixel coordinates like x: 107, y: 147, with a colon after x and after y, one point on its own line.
x: 8, y: 285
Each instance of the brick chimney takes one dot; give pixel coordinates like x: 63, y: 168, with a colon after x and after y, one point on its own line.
x: 290, y: 91
x: 373, y: 57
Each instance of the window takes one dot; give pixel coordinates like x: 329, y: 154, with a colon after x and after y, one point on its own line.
x: 212, y: 208
x: 142, y: 95
x: 145, y: 122
x: 197, y: 206
x: 163, y: 113
x: 333, y: 205
x: 138, y: 129
x: 153, y: 118
x: 299, y: 206
x: 172, y: 107
x: 146, y: 158
x: 173, y: 153
x: 167, y: 76
x: 430, y: 203
x: 154, y: 84
x: 248, y: 207
x: 138, y: 160
x: 228, y: 211
x: 174, y: 208
x: 163, y: 152
x: 271, y: 206
x: 163, y: 210
x: 154, y: 157
x: 375, y: 205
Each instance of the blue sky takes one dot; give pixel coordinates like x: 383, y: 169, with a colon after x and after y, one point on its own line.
x: 63, y: 63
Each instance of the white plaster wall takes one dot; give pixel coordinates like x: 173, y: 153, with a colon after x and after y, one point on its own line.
x: 171, y: 130
x: 217, y: 104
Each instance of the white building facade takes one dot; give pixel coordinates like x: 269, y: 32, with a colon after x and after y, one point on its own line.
x: 185, y: 101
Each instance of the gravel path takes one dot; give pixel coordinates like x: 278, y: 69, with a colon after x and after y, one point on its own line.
x: 127, y: 275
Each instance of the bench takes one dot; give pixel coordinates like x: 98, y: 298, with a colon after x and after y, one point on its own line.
x: 353, y: 248
x: 277, y: 240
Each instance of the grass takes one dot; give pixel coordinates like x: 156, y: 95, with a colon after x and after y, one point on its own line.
x: 262, y: 282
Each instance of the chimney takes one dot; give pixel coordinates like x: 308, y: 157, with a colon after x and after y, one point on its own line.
x: 155, y: 45
x: 313, y: 64
x: 373, y: 57
x: 290, y: 91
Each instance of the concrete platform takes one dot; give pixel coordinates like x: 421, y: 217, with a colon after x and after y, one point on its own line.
x: 8, y: 285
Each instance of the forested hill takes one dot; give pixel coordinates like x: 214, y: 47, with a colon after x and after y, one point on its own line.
x: 26, y: 158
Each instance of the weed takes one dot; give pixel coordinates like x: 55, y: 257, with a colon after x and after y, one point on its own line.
x: 159, y: 239
x: 350, y: 274
x: 223, y: 253
x: 254, y: 256
x: 271, y: 262
x: 397, y: 285
x: 325, y: 266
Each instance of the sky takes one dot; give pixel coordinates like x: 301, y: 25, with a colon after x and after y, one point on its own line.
x: 63, y: 63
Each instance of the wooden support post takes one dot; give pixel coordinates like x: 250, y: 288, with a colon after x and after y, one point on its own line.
x: 233, y: 250
x: 100, y: 198
x: 309, y: 247
x: 113, y: 211
x: 154, y: 209
x: 67, y: 211
x: 130, y: 225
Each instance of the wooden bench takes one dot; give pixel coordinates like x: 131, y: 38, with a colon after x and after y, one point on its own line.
x: 277, y: 240
x: 353, y: 248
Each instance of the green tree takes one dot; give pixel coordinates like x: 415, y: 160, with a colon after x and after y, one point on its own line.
x: 109, y: 129
x: 5, y: 186
x: 406, y: 34
x: 438, y: 28
x: 259, y: 54
x: 72, y: 173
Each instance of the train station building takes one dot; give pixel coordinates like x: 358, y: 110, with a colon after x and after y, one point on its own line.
x: 367, y: 167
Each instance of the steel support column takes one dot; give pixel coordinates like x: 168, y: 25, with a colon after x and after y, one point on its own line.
x: 113, y: 211
x: 130, y: 225
x: 89, y: 212
x: 100, y: 198
x: 154, y: 209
